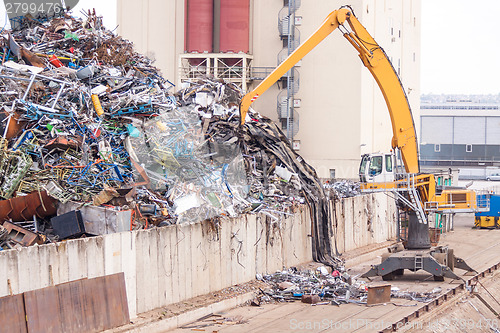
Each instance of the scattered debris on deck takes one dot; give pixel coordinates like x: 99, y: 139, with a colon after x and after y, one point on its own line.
x: 322, y: 287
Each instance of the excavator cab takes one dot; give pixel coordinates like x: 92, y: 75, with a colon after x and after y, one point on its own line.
x: 377, y: 168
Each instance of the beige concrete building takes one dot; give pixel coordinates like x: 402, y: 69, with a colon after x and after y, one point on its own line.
x: 338, y: 111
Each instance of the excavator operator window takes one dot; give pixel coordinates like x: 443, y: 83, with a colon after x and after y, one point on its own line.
x: 376, y: 166
x: 365, y: 159
x: 364, y: 162
x: 388, y: 163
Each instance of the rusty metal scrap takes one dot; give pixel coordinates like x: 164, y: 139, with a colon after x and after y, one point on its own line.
x: 12, y: 234
x: 23, y: 208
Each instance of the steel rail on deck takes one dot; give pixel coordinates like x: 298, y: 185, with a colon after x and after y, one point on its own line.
x: 442, y: 299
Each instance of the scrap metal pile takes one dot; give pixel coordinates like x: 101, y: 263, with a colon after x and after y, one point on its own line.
x: 342, y: 189
x: 91, y: 127
x: 292, y: 284
x: 320, y: 287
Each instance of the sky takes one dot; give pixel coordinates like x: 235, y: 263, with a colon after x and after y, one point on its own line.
x: 460, y: 47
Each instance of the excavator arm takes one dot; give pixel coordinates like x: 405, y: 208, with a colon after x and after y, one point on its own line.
x: 419, y: 190
x: 374, y: 58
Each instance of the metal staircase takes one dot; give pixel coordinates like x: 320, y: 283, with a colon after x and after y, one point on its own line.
x: 415, y: 199
x: 412, y: 199
x: 290, y: 36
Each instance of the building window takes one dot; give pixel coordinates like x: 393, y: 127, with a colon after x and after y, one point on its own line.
x: 332, y: 173
x: 468, y: 148
x: 437, y: 148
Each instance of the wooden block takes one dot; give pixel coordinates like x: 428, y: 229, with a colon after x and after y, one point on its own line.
x: 379, y: 294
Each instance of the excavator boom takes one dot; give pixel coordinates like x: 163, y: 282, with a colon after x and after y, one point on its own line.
x: 416, y: 191
x: 374, y: 58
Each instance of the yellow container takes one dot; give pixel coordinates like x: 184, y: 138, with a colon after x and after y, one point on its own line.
x: 486, y: 222
x: 97, y: 105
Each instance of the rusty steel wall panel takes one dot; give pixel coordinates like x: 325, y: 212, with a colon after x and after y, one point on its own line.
x: 105, y: 302
x: 71, y: 307
x: 12, y: 315
x: 87, y: 305
x: 116, y: 299
x: 42, y: 310
x: 95, y: 303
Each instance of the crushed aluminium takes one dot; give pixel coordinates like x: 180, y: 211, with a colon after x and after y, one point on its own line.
x: 88, y: 120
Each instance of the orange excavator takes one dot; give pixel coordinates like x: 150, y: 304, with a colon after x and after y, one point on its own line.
x: 397, y: 172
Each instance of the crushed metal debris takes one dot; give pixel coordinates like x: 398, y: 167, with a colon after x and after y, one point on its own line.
x: 342, y: 189
x: 320, y: 287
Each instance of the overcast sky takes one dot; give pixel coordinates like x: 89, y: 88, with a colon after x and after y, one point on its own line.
x: 460, y: 43
x: 460, y: 46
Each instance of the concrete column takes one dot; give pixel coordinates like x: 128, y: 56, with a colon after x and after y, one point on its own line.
x: 216, y: 33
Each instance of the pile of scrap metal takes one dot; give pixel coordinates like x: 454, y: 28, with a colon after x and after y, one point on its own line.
x: 277, y: 176
x: 320, y: 287
x: 342, y: 189
x: 309, y: 286
x: 70, y: 94
x: 93, y: 134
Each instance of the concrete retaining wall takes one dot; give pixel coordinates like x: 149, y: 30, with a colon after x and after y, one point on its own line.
x: 171, y: 264
x: 364, y: 220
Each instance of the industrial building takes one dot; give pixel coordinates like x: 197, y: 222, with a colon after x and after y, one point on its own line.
x: 328, y: 105
x: 461, y: 133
